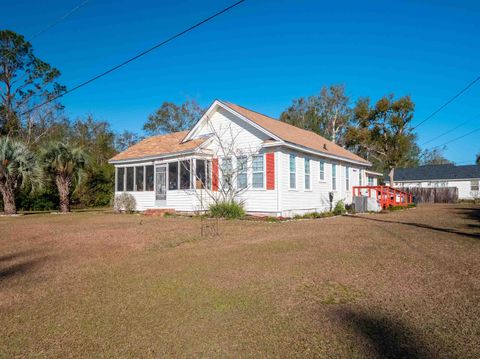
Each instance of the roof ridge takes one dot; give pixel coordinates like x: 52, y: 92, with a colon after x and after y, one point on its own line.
x: 287, y: 124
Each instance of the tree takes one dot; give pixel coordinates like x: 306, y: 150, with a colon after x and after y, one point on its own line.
x: 64, y: 164
x: 327, y: 113
x: 382, y: 133
x: 477, y: 161
x: 25, y: 82
x: 434, y: 157
x: 18, y: 167
x: 173, y: 118
x: 125, y: 140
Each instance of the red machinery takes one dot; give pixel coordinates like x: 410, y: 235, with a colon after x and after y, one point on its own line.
x: 387, y: 196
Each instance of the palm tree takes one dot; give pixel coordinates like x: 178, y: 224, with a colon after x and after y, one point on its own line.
x: 64, y: 164
x: 18, y: 166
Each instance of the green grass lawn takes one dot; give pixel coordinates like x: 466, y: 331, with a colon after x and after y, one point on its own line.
x: 401, y: 284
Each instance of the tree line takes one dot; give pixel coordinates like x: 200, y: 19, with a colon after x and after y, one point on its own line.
x: 50, y: 161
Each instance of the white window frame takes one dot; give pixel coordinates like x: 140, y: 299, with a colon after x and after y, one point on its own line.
x: 321, y: 171
x: 309, y: 174
x: 244, y: 172
x: 257, y: 172
x: 334, y: 183
x: 472, y: 185
x: 347, y: 178
x: 222, y: 168
x: 294, y: 172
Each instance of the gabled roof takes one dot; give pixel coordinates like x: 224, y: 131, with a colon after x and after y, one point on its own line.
x: 437, y: 172
x: 295, y: 135
x: 159, y: 146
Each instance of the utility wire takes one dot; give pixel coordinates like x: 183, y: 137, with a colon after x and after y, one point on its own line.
x: 445, y: 133
x: 461, y: 92
x: 143, y: 53
x: 60, y: 19
x: 457, y: 138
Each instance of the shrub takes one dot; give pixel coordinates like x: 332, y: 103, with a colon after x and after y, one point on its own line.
x: 227, y: 209
x: 124, y: 202
x: 339, y: 208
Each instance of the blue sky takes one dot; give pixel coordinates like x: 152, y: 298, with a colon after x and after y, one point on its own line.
x: 263, y: 54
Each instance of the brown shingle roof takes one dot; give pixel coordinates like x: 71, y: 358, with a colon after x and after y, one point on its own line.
x: 296, y: 135
x: 159, y: 145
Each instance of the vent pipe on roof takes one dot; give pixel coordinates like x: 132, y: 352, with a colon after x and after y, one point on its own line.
x: 325, y: 147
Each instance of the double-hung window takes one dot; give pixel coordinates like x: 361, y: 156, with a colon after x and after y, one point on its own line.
x: 293, y: 172
x: 322, y: 171
x: 257, y: 171
x: 307, y: 173
x: 474, y: 185
x: 334, y: 177
x: 242, y: 172
x: 347, y: 178
x: 360, y: 178
x: 370, y: 180
x: 227, y: 173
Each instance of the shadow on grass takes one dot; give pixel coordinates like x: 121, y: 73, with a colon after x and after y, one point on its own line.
x: 470, y: 213
x: 18, y: 269
x: 9, y: 257
x: 387, y: 337
x: 425, y: 226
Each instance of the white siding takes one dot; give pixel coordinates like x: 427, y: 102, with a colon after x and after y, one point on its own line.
x: 464, y: 190
x: 144, y: 200
x: 282, y: 200
x: 301, y: 200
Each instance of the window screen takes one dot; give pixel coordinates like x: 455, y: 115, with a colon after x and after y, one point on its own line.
x: 173, y: 176
x: 130, y: 178
x: 120, y: 179
x: 139, y: 178
x: 185, y: 174
x: 148, y: 178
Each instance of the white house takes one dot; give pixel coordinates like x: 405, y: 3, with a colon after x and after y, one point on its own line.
x: 280, y: 170
x: 465, y: 178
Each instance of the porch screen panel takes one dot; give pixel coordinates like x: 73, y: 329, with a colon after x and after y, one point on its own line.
x: 172, y: 176
x: 148, y: 178
x: 139, y: 178
x: 120, y: 179
x: 185, y: 174
x: 130, y: 178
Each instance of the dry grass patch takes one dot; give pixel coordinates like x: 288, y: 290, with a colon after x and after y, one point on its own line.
x: 402, y: 284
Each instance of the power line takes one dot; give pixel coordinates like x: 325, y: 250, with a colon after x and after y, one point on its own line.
x: 445, y: 133
x: 143, y: 53
x: 461, y: 92
x: 60, y: 19
x: 457, y: 138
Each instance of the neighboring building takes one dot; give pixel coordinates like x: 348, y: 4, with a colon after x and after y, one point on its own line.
x: 282, y: 169
x: 465, y: 178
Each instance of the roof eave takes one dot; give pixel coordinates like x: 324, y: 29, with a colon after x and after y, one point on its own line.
x: 315, y: 152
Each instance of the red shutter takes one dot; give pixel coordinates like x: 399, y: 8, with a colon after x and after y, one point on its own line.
x: 215, y: 174
x: 270, y: 170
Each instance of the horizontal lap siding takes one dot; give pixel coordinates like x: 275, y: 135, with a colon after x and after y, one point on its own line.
x: 300, y: 201
x: 144, y: 200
